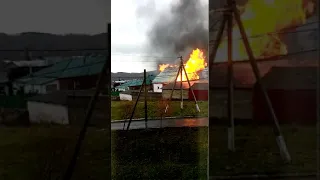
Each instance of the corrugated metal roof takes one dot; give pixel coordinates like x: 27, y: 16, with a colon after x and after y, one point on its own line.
x: 170, y: 73
x: 166, y: 76
x: 137, y: 82
x: 72, y: 67
x: 32, y: 63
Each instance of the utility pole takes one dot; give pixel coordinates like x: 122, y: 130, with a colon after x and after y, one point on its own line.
x: 145, y: 99
x: 230, y: 82
x: 100, y: 83
x: 181, y: 87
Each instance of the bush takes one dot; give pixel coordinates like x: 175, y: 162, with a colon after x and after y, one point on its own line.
x: 125, y: 109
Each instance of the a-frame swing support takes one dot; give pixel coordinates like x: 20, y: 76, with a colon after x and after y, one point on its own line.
x: 182, y: 69
x: 231, y: 12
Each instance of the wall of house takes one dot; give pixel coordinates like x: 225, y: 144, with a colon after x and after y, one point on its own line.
x: 48, y: 113
x: 78, y: 83
x: 290, y: 106
x: 41, y: 89
x: 157, y: 88
x: 242, y: 103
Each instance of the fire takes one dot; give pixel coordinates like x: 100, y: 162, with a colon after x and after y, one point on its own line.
x: 193, y: 66
x: 162, y: 67
x: 261, y: 19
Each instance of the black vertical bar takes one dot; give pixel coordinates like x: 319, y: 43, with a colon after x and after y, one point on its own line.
x: 145, y: 99
x: 181, y: 89
x: 100, y: 83
x: 230, y: 81
x: 318, y: 100
x: 134, y: 107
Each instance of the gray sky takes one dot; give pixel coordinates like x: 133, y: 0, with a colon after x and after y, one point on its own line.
x: 128, y: 33
x: 58, y: 16
x: 131, y: 19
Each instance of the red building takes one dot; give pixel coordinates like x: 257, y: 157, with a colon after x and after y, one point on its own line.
x: 200, y: 90
x: 292, y: 92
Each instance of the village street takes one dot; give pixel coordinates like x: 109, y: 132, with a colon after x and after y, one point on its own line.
x: 140, y: 124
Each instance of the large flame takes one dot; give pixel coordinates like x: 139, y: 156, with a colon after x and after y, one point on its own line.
x: 193, y: 66
x: 261, y: 19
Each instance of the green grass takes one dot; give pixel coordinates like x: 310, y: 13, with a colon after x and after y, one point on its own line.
x: 122, y: 109
x: 171, y: 153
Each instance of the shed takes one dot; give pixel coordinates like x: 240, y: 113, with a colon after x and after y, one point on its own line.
x: 201, y: 91
x: 166, y: 90
x: 136, y: 84
x: 292, y: 92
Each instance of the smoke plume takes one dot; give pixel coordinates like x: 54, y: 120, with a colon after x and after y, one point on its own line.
x: 180, y: 29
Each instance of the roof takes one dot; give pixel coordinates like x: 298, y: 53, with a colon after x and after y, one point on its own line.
x: 71, y: 67
x: 166, y: 76
x: 25, y: 63
x: 170, y: 73
x: 291, y: 78
x: 137, y: 82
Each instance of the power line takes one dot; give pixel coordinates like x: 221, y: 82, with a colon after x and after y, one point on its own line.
x: 273, y: 58
x: 278, y: 32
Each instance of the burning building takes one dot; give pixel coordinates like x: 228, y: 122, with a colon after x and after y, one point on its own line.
x: 196, y: 69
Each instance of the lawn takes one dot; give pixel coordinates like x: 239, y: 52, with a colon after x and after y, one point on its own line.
x: 122, y: 109
x: 171, y: 153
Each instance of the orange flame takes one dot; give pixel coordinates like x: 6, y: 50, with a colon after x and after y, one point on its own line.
x: 195, y: 64
x: 162, y: 67
x: 261, y: 19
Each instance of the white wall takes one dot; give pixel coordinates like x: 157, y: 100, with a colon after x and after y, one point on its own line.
x: 125, y: 97
x: 157, y: 88
x: 50, y: 113
x: 40, y: 88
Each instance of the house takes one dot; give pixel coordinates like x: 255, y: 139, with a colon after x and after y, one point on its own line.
x: 176, y: 94
x: 200, y: 90
x: 292, y: 92
x: 136, y: 84
x: 168, y: 76
x: 74, y: 73
x: 66, y: 107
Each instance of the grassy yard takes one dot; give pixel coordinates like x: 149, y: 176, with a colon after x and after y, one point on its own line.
x: 32, y: 153
x: 122, y: 109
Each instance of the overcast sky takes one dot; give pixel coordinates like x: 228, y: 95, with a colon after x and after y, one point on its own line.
x: 131, y: 20
x: 54, y: 16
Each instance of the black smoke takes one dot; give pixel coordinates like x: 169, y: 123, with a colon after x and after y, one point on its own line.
x: 180, y: 29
